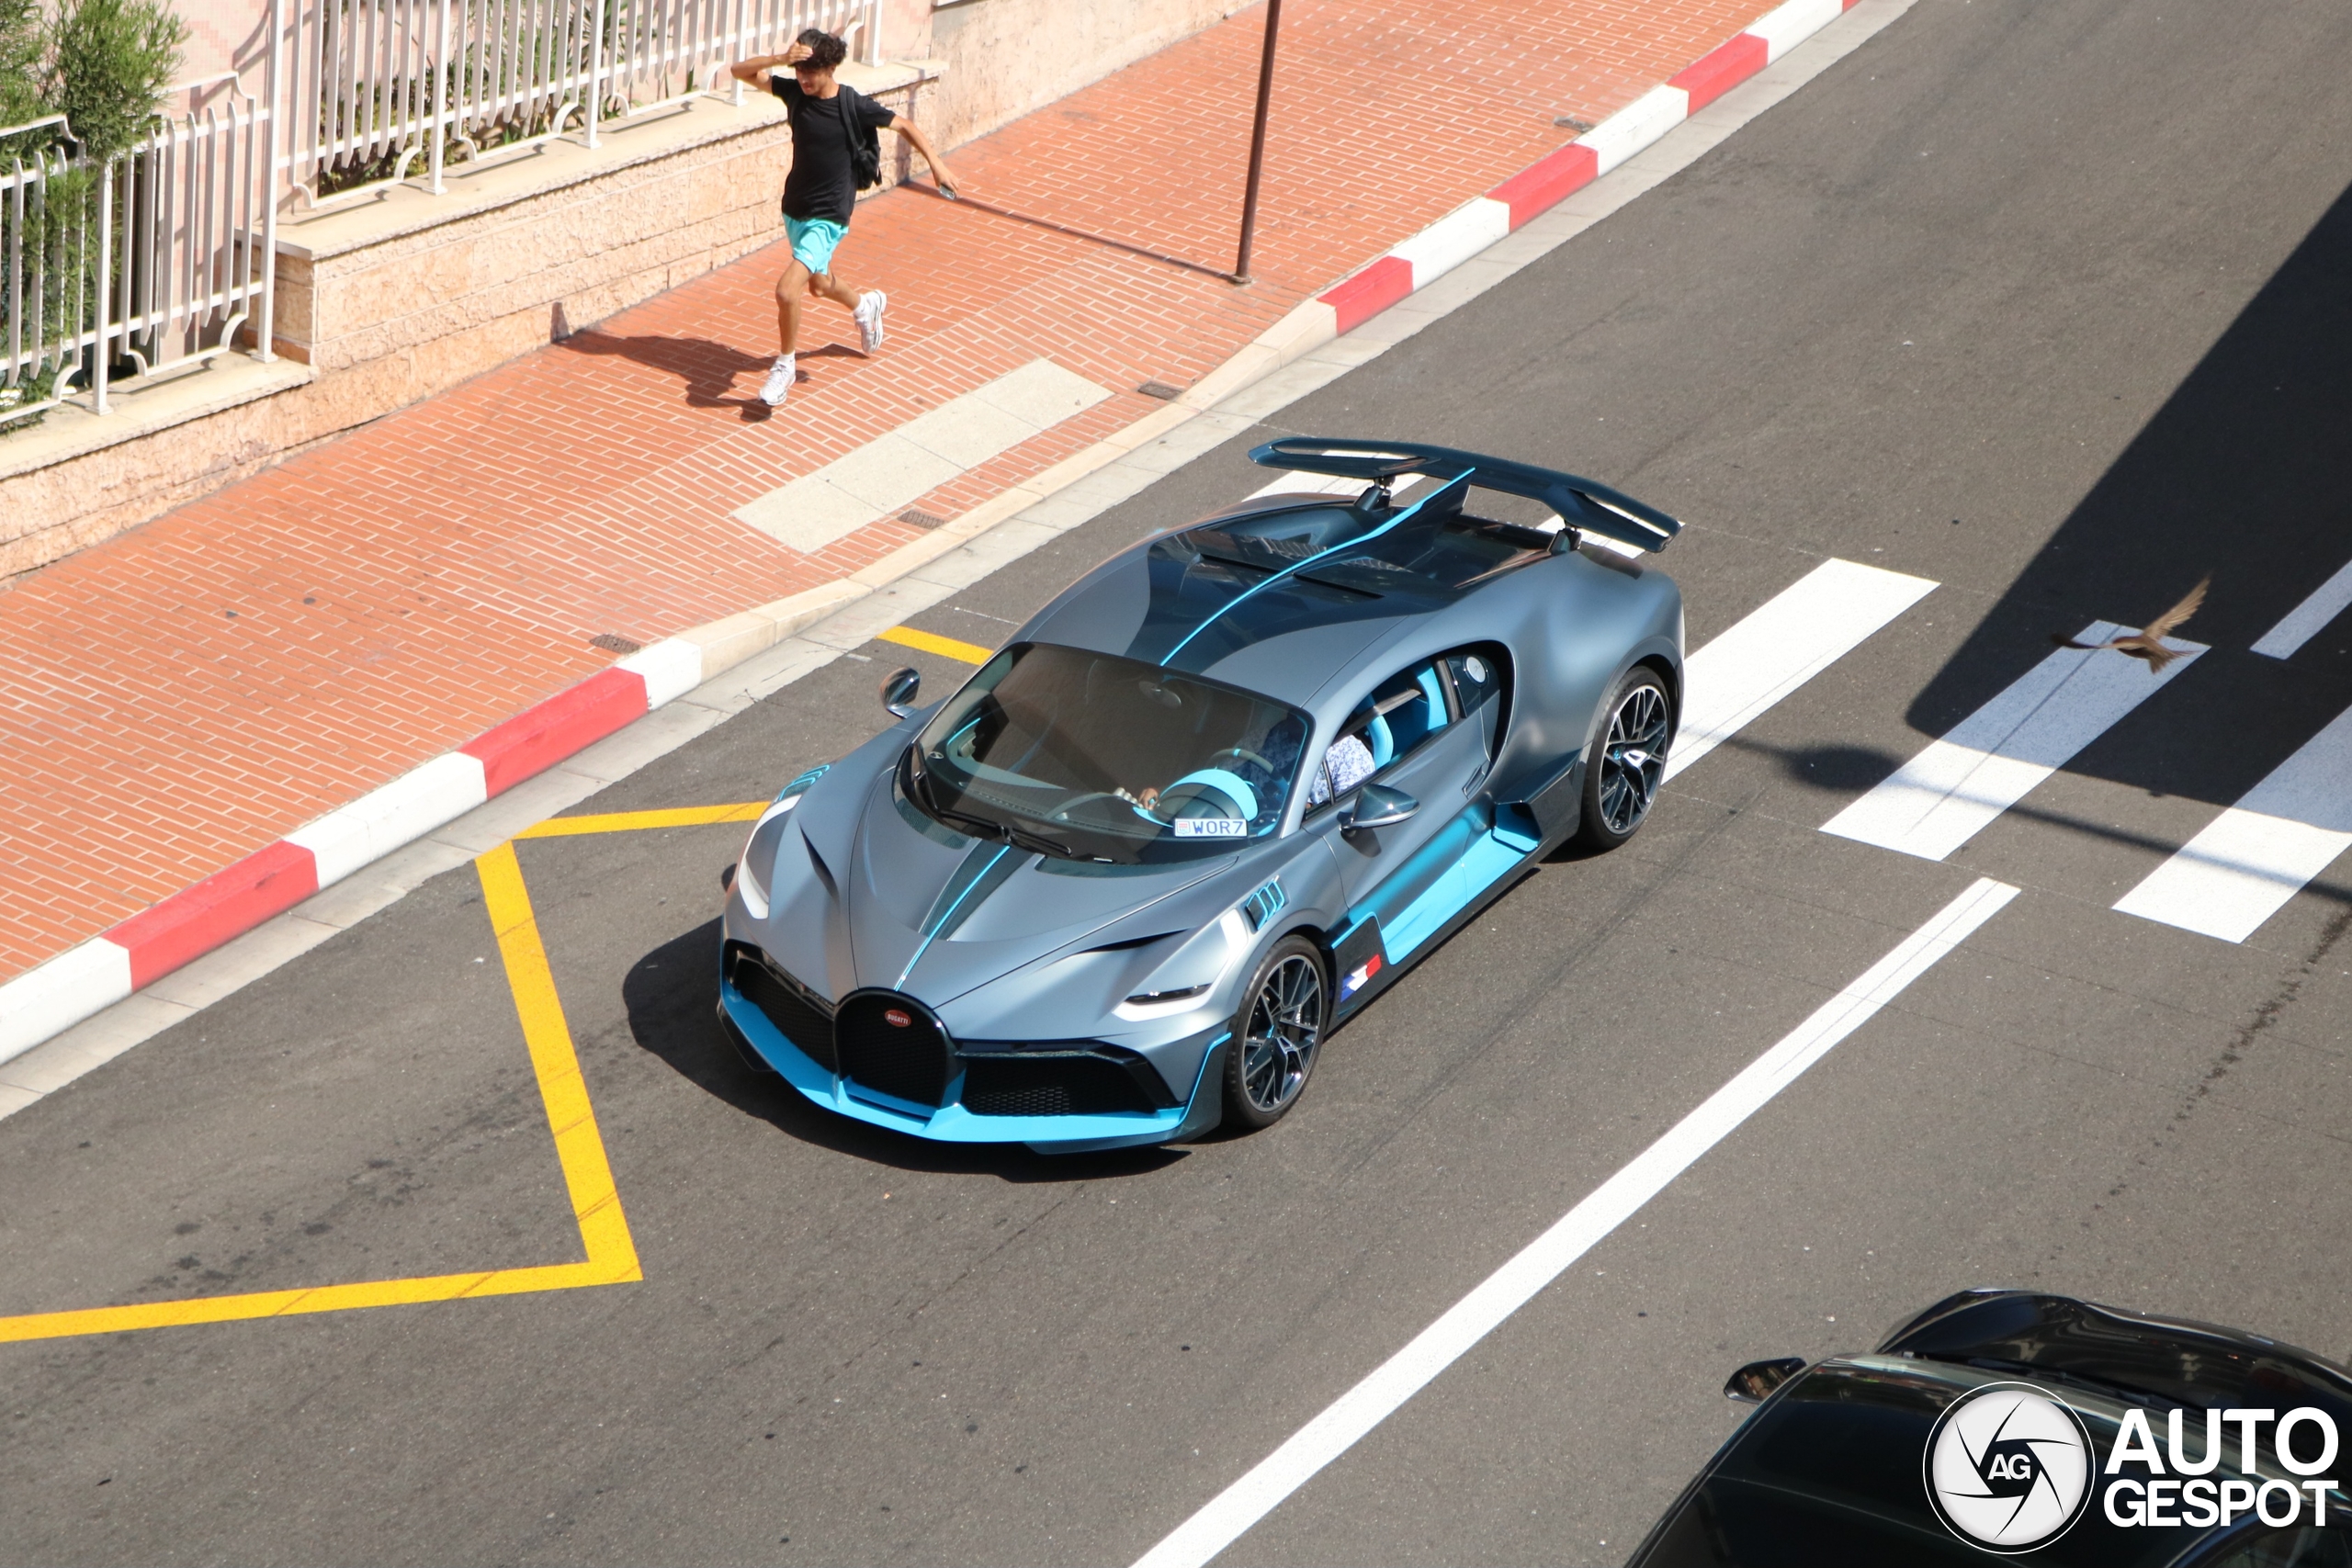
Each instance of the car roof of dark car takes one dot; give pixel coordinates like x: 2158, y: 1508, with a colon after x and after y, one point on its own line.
x: 1840, y: 1449
x: 2176, y: 1361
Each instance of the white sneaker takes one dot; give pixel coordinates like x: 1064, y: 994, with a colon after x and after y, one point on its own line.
x: 869, y: 317
x: 779, y: 381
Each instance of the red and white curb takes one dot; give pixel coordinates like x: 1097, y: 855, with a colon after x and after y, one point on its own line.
x: 55, y: 995
x: 104, y: 970
x: 1469, y: 229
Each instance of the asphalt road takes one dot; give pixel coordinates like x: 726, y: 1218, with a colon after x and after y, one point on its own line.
x: 2043, y: 300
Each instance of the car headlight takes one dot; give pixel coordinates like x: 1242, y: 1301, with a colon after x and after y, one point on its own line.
x: 1191, y: 975
x: 756, y: 870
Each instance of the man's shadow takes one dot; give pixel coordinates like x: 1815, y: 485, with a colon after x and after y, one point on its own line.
x: 709, y: 370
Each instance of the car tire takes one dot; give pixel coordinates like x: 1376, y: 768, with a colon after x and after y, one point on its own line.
x: 1277, y: 1034
x: 1628, y: 763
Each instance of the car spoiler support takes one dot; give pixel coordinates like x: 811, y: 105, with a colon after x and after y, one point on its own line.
x: 1585, y: 505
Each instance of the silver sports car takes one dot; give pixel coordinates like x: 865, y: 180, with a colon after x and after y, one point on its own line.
x: 1209, y: 802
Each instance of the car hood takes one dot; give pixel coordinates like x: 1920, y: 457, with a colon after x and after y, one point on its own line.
x: 935, y: 914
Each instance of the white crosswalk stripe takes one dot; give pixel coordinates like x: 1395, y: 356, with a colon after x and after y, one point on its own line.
x: 1785, y: 642
x: 2306, y: 620
x: 2254, y: 857
x: 1950, y: 792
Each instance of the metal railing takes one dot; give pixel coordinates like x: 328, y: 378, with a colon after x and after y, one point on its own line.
x: 378, y: 90
x: 149, y: 260
x: 164, y: 254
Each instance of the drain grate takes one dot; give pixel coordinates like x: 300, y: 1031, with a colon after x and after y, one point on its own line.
x: 1161, y: 390
x: 914, y: 519
x: 612, y: 642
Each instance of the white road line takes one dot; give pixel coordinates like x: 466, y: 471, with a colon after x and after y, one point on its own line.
x: 2326, y: 601
x: 1503, y: 1293
x: 2254, y: 857
x: 1948, y: 793
x: 1785, y: 642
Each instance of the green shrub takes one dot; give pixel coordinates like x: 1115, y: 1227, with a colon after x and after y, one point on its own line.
x: 23, y: 51
x: 109, y: 63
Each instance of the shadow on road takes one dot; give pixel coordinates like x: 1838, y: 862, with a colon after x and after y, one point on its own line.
x: 2245, y: 472
x: 671, y: 998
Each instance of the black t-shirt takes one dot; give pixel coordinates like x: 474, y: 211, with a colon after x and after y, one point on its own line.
x: 823, y: 182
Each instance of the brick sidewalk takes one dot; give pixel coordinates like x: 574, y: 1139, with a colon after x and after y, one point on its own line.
x: 190, y: 690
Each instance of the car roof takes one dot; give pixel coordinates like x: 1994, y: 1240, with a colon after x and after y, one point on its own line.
x: 1281, y: 594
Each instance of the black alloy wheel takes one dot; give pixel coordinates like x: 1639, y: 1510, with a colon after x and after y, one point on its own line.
x: 1276, y: 1035
x: 1628, y: 765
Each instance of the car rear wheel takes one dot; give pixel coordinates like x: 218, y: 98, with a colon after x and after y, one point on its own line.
x: 1629, y: 764
x: 1276, y: 1035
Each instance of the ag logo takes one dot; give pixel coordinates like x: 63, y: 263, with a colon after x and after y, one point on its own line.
x: 2008, y: 1468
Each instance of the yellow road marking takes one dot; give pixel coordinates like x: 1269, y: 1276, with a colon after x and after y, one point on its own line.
x: 632, y: 821
x: 578, y: 1145
x: 930, y: 642
x: 587, y: 1174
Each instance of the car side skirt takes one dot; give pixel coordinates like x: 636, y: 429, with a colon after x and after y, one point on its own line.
x: 1493, y: 863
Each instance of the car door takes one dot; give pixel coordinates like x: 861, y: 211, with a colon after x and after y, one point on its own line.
x: 1422, y: 743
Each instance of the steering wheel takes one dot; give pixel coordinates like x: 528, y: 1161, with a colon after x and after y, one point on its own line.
x: 1245, y: 753
x: 1061, y: 813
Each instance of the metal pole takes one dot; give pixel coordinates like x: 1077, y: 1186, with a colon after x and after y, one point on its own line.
x: 440, y: 95
x: 267, y: 331
x: 106, y: 294
x: 597, y: 78
x: 1258, y: 142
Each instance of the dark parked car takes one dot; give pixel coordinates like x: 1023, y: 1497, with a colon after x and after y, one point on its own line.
x: 1832, y: 1470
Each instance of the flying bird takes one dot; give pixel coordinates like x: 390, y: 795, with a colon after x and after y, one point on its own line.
x: 2148, y: 642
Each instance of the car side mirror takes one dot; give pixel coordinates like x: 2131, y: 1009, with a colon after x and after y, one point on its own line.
x: 1377, y: 806
x: 1754, y: 1381
x: 899, y: 689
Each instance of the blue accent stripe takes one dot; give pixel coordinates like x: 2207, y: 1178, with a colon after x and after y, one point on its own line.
x: 1490, y: 859
x: 1358, y: 543
x: 944, y: 919
x: 1467, y: 856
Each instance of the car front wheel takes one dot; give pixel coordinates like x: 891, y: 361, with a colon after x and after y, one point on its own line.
x: 1276, y: 1035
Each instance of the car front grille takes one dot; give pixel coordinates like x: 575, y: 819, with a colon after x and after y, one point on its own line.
x: 916, y: 1062
x: 798, y: 1014
x: 910, y: 1060
x: 1062, y: 1083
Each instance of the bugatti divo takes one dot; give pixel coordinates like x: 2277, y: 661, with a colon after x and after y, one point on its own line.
x: 1121, y: 886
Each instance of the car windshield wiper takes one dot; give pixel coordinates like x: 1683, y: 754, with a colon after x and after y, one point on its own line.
x: 1042, y: 844
x: 1003, y: 833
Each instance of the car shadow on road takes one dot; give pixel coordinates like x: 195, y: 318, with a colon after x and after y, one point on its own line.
x: 671, y: 998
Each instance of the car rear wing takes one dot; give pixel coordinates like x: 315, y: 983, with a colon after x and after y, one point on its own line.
x: 1585, y: 505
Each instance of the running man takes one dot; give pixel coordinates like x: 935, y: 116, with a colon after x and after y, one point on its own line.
x: 829, y: 120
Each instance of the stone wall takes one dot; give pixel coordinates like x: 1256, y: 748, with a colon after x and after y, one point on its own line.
x: 999, y: 59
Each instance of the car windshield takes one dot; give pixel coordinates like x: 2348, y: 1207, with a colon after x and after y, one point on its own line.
x: 1102, y: 757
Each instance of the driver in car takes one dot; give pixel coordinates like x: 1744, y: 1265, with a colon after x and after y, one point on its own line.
x: 1347, y: 765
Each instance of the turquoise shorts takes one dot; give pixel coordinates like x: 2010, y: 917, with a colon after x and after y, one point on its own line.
x: 813, y: 240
